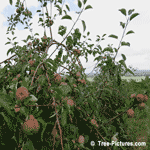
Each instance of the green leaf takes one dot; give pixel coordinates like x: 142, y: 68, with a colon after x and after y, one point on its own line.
x: 25, y: 27
x: 38, y: 11
x: 98, y: 36
x: 7, y: 119
x: 98, y: 58
x: 10, y: 50
x: 8, y: 38
x: 42, y: 80
x: 122, y: 24
x: 36, y: 34
x: 44, y: 124
x: 88, y: 7
x: 45, y: 4
x: 129, y: 32
x: 109, y: 49
x: 60, y: 1
x: 65, y: 89
x: 122, y: 62
x: 104, y: 35
x: 64, y: 117
x: 15, y: 43
x: 123, y: 56
x: 33, y: 98
x: 28, y: 145
x: 4, y: 102
x: 62, y: 30
x: 84, y: 26
x: 67, y: 7
x: 29, y: 37
x: 14, y: 38
x: 24, y: 41
x: 10, y: 1
x: 125, y: 43
x: 130, y: 11
x: 123, y: 11
x: 66, y: 17
x: 65, y: 58
x: 113, y: 36
x: 41, y: 14
x: 88, y: 33
x: 127, y: 102
x: 128, y: 70
x: 40, y: 20
x: 133, y: 16
x: 79, y: 4
x: 7, y: 43
x: 12, y: 32
x: 24, y: 111
x: 84, y: 1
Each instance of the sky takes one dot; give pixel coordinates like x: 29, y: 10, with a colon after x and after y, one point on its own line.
x: 104, y: 18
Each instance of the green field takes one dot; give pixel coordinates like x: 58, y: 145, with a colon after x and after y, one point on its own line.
x: 128, y: 78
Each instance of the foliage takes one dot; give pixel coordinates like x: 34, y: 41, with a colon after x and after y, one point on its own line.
x: 70, y: 115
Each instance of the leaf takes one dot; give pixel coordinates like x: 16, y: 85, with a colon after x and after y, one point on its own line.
x: 8, y: 38
x: 7, y: 119
x: 65, y: 58
x: 88, y: 7
x: 127, y: 102
x: 108, y: 49
x: 128, y: 70
x: 122, y: 62
x: 98, y: 58
x: 65, y: 89
x: 29, y: 37
x: 88, y: 33
x: 4, y: 102
x: 122, y: 24
x: 10, y: 1
x: 123, y: 56
x: 24, y: 111
x: 84, y: 1
x: 103, y: 35
x: 44, y: 124
x: 62, y: 30
x: 130, y: 11
x: 12, y: 32
x: 14, y: 38
x: 84, y: 25
x: 133, y: 16
x: 125, y: 43
x: 45, y: 4
x: 67, y: 7
x: 123, y: 11
x: 79, y: 4
x: 64, y: 118
x: 28, y: 145
x: 10, y: 50
x: 113, y: 36
x: 66, y: 17
x: 7, y: 43
x: 33, y: 98
x: 60, y: 1
x: 36, y: 34
x: 129, y: 32
x: 40, y: 20
x: 38, y: 11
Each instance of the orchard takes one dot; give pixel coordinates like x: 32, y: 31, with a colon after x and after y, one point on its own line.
x: 42, y: 110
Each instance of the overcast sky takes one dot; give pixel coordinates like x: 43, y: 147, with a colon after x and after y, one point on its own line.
x: 104, y: 18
